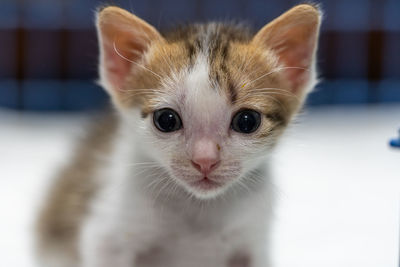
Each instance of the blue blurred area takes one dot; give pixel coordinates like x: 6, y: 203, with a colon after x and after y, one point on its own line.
x: 49, y: 48
x: 9, y: 14
x: 8, y: 93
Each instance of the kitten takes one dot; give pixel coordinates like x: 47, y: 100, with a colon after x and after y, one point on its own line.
x: 179, y: 176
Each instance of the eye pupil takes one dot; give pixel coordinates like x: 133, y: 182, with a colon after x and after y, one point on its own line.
x: 246, y: 121
x: 167, y: 120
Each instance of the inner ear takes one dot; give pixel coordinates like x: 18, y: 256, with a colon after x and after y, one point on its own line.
x: 123, y: 39
x: 293, y: 38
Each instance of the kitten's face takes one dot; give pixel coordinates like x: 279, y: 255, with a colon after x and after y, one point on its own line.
x: 212, y: 98
x: 209, y: 132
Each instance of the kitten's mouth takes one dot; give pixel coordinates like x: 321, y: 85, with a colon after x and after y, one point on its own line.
x: 206, y: 184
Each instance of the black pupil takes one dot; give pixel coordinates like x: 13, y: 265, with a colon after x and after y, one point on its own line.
x: 167, y: 121
x: 247, y: 122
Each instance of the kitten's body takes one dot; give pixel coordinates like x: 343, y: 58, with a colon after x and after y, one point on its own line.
x: 162, y: 225
x: 132, y: 197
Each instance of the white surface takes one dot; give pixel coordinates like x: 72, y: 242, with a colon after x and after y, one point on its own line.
x: 337, y: 182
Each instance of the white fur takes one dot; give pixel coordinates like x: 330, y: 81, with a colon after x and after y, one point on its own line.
x: 148, y: 208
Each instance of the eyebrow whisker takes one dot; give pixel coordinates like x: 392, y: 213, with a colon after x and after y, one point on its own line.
x: 131, y: 61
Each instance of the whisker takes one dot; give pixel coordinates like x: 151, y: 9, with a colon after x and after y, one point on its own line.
x: 155, y: 90
x: 276, y: 70
x: 131, y: 61
x: 250, y: 91
x: 260, y: 94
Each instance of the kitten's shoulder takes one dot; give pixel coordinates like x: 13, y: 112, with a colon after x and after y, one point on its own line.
x: 73, y: 189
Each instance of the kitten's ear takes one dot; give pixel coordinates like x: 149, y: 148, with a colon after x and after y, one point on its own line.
x: 293, y: 37
x: 123, y: 40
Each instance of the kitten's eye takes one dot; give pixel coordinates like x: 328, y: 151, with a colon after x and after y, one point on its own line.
x: 167, y: 120
x: 246, y: 121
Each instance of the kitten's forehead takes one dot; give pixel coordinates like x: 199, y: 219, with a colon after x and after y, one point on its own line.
x: 204, y: 105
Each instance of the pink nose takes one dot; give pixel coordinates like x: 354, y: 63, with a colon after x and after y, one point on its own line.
x: 205, y: 157
x: 205, y: 166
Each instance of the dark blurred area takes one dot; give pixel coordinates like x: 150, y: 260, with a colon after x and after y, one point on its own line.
x: 48, y: 48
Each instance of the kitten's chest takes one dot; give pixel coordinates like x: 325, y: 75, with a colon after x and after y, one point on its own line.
x: 179, y: 240
x: 181, y: 246
x: 172, y: 233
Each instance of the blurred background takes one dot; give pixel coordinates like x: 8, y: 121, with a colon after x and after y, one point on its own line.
x: 337, y: 181
x: 49, y: 51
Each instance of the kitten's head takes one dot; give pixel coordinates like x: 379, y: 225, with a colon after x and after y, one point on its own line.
x: 210, y: 100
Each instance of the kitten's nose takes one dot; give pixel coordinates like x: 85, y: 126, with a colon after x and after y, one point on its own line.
x: 205, y: 157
